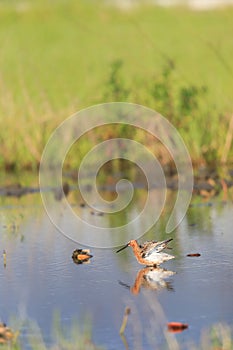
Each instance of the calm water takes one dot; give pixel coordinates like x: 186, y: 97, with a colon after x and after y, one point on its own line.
x: 40, y: 277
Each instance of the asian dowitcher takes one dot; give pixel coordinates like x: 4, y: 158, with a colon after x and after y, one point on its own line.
x: 149, y: 253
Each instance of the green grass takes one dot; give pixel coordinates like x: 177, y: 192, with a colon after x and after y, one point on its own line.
x: 56, y: 58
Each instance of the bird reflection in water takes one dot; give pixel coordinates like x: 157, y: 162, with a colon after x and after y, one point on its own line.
x: 153, y: 278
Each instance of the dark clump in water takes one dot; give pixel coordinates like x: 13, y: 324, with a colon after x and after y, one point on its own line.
x: 81, y: 256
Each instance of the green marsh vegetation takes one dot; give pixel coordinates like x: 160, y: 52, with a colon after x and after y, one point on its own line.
x: 59, y: 57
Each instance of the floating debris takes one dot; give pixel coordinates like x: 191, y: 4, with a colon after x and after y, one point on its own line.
x: 176, y: 327
x: 193, y: 254
x: 82, y: 205
x: 81, y: 256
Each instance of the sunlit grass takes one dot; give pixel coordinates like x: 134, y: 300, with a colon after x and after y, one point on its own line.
x: 56, y: 58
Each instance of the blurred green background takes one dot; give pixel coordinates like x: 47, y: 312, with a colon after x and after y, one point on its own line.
x: 58, y: 57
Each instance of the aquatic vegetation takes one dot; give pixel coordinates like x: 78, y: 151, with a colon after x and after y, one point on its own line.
x: 11, y: 222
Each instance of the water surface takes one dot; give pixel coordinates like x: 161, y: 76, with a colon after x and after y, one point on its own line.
x: 40, y: 276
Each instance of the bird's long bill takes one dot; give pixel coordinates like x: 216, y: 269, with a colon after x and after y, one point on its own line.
x: 125, y: 246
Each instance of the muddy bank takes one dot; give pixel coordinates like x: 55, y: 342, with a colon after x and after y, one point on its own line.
x: 207, y: 183
x: 17, y: 190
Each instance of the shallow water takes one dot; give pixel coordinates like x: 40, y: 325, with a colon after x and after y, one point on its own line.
x: 40, y: 277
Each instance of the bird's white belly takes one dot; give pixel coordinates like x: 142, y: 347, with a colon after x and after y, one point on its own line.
x: 158, y: 258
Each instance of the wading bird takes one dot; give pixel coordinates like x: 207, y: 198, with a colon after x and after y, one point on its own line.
x: 149, y: 253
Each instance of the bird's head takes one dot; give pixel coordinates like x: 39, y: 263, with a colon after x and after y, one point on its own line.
x: 131, y: 243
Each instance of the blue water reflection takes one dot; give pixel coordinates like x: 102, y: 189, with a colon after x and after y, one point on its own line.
x: 40, y: 277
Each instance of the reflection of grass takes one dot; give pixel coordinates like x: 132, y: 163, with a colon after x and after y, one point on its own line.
x: 154, y: 331
x: 219, y: 336
x: 58, y: 57
x: 77, y: 336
